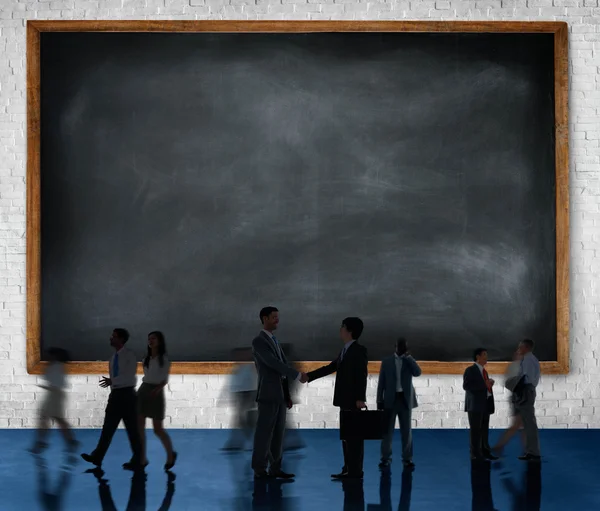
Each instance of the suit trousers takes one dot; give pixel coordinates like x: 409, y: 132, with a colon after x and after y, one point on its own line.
x: 525, y: 407
x: 479, y: 424
x: 404, y: 414
x: 354, y: 452
x: 268, y: 436
x: 122, y: 406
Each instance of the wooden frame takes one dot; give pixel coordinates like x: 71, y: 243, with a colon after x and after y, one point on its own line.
x: 561, y: 79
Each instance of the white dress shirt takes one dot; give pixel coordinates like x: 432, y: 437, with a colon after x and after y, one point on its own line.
x: 154, y: 374
x: 530, y: 367
x: 398, y: 361
x: 55, y: 376
x: 278, y: 348
x: 244, y: 379
x: 127, y: 368
x: 481, y: 371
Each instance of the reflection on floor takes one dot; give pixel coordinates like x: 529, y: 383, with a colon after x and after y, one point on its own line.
x: 205, y: 478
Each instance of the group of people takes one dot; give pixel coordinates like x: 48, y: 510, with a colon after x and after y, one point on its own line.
x: 124, y: 403
x: 396, y: 396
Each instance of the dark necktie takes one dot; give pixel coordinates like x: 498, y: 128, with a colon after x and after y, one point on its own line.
x: 278, y: 348
x: 487, y: 380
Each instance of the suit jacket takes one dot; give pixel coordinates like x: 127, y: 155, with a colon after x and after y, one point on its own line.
x: 476, y: 399
x: 272, y: 387
x: 386, y: 386
x: 351, y: 378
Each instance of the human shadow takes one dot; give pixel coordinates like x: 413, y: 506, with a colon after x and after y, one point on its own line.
x: 354, y: 495
x: 52, y: 499
x: 137, y: 493
x: 481, y: 486
x: 267, y: 495
x: 528, y: 497
x: 385, y: 491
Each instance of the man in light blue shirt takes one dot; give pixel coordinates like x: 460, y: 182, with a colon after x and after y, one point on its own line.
x: 525, y: 403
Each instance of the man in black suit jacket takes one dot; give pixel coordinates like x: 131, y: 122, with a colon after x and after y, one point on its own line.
x: 350, y: 390
x: 479, y: 404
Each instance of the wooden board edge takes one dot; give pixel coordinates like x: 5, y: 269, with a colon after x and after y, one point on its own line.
x: 561, y: 115
x: 293, y: 26
x: 33, y: 204
x: 33, y: 294
x: 199, y: 368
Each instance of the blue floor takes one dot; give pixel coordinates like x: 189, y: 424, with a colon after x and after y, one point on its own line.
x: 206, y: 479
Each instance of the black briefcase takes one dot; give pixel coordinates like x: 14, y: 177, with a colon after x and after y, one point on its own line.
x: 362, y: 424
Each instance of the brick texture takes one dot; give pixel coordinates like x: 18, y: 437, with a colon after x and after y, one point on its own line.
x: 571, y: 401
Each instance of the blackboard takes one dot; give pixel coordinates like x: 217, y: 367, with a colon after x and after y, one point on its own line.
x: 187, y: 180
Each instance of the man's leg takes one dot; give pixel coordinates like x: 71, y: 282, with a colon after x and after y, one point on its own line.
x: 131, y: 425
x: 267, y: 415
x: 388, y: 436
x: 485, y: 431
x: 276, y: 447
x: 405, y: 416
x: 527, y: 412
x: 475, y: 419
x: 354, y: 456
x: 112, y: 417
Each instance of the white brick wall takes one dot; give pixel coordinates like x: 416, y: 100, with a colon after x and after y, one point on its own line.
x: 564, y: 401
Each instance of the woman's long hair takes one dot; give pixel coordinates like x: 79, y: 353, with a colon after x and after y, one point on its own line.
x: 162, y: 349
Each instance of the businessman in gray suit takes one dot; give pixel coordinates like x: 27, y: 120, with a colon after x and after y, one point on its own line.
x: 273, y: 398
x: 396, y: 395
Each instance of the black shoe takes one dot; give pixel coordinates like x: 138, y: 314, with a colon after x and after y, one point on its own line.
x: 262, y: 475
x: 340, y: 475
x: 281, y: 475
x: 385, y: 464
x: 169, y: 466
x: 490, y: 456
x: 530, y: 457
x: 90, y: 459
x: 477, y: 458
x: 409, y: 464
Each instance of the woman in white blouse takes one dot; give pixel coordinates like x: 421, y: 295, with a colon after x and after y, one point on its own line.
x: 151, y: 396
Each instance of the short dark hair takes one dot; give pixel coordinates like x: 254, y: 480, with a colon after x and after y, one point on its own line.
x: 355, y: 326
x: 477, y: 353
x: 265, y: 312
x: 402, y: 343
x: 122, y: 334
x: 529, y: 343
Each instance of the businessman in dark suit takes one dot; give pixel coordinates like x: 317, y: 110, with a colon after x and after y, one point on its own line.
x: 479, y: 405
x: 396, y: 395
x: 272, y: 396
x: 350, y: 390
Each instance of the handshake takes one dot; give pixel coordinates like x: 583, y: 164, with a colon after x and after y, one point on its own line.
x: 303, y: 378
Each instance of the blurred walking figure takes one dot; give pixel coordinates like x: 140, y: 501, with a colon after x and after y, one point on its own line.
x: 513, y: 380
x: 53, y: 406
x: 244, y: 384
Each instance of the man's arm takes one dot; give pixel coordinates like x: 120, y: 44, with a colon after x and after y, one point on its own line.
x: 323, y: 371
x: 381, y: 386
x: 264, y: 355
x: 414, y: 367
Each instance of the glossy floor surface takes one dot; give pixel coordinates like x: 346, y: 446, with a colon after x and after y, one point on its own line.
x: 205, y: 478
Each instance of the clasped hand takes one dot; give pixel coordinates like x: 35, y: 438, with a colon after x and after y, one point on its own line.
x: 303, y: 378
